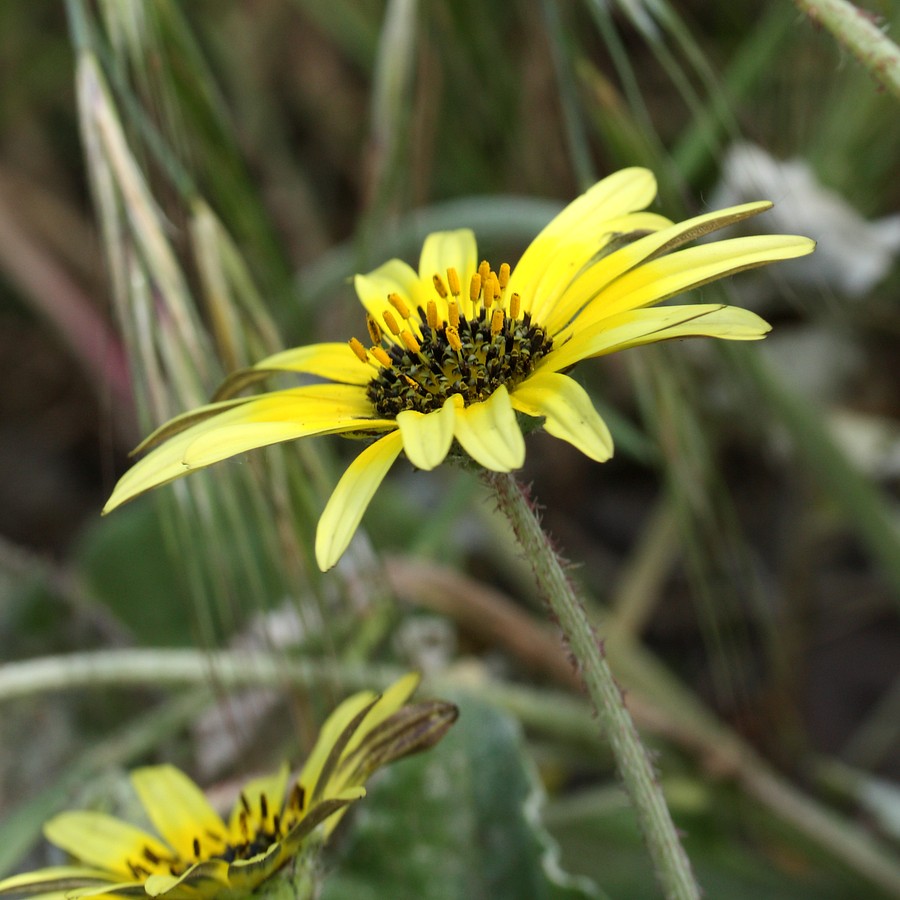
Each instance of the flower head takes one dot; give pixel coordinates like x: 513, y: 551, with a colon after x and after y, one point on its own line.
x: 457, y: 350
x: 197, y: 854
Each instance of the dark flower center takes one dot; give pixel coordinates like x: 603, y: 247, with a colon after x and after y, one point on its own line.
x: 471, y: 354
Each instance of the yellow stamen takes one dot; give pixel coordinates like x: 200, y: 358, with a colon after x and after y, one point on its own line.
x: 410, y: 342
x: 390, y: 321
x: 439, y: 285
x: 475, y: 288
x: 397, y: 302
x: 381, y: 356
x: 495, y: 285
x: 453, y: 281
x: 515, y: 302
x: 431, y: 315
x: 359, y: 350
x: 453, y: 313
x: 497, y: 321
x: 374, y: 329
x: 504, y: 275
x: 484, y: 270
x: 453, y: 340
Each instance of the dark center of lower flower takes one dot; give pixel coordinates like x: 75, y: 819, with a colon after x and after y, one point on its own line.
x: 257, y: 830
x: 482, y: 344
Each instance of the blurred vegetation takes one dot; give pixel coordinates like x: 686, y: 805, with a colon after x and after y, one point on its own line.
x: 187, y: 187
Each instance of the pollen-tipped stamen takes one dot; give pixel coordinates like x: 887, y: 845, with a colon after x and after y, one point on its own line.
x: 453, y: 281
x: 398, y: 303
x: 392, y: 324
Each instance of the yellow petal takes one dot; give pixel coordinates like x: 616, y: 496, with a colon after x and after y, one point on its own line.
x: 667, y: 276
x: 277, y: 416
x: 177, y: 808
x: 55, y: 878
x: 103, y: 841
x: 352, y: 495
x: 548, y: 297
x: 394, y: 276
x: 334, y: 361
x: 111, y: 891
x: 329, y: 734
x: 568, y: 412
x: 646, y: 326
x: 489, y: 432
x: 555, y: 303
x: 597, y: 277
x: 427, y: 438
x: 623, y: 192
x: 443, y: 250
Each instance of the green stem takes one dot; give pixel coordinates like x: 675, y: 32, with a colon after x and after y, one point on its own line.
x: 673, y: 869
x: 857, y: 30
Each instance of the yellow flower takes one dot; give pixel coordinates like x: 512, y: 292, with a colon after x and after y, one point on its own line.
x: 457, y: 350
x: 197, y: 854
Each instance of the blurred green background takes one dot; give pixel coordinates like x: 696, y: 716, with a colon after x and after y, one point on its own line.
x: 187, y: 187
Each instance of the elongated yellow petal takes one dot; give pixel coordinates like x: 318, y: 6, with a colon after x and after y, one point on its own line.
x: 397, y: 277
x: 111, y: 891
x: 56, y: 878
x: 329, y: 733
x: 596, y: 278
x: 646, y: 326
x: 489, y: 432
x: 177, y: 808
x: 103, y: 841
x: 277, y: 416
x: 334, y: 361
x: 548, y: 297
x: 351, y: 497
x: 568, y: 412
x: 427, y: 438
x: 623, y: 192
x: 667, y: 276
x: 444, y: 250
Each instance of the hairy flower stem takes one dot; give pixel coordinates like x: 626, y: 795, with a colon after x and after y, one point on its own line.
x: 673, y: 868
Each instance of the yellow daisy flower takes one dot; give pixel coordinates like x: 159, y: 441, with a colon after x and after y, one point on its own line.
x: 457, y: 351
x: 199, y: 855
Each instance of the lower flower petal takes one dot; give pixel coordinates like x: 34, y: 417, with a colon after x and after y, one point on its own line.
x: 646, y: 326
x: 272, y: 787
x: 56, y: 879
x: 351, y: 497
x: 103, y: 841
x: 489, y: 432
x: 177, y: 808
x: 427, y: 437
x: 568, y: 412
x: 205, y: 879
